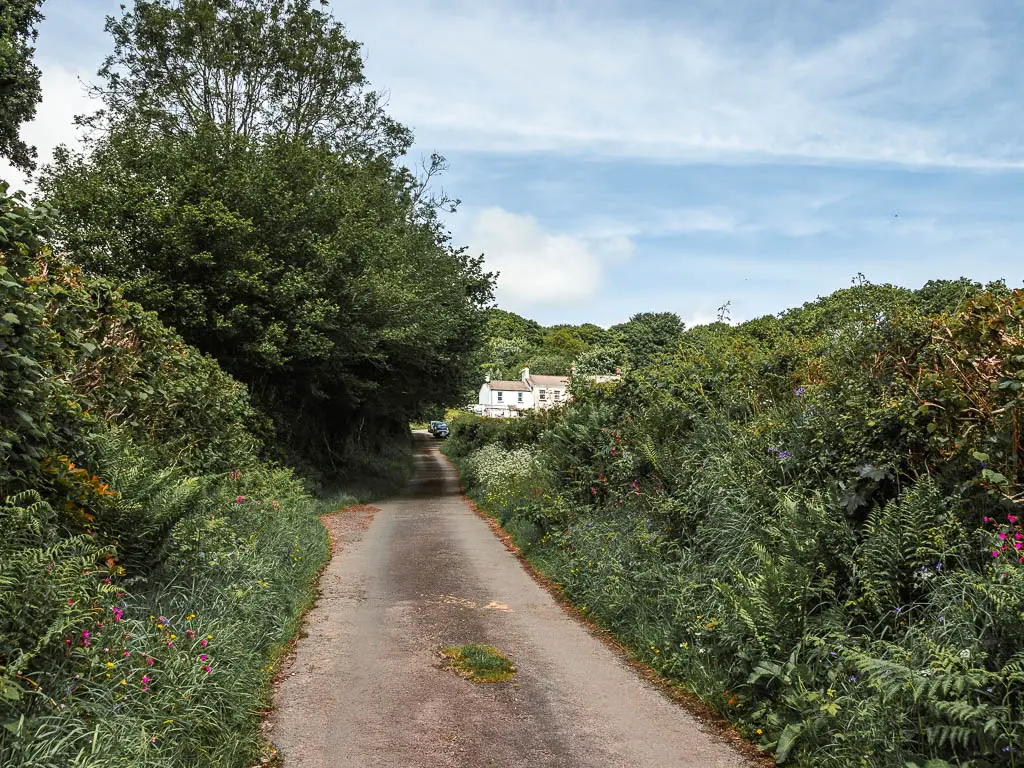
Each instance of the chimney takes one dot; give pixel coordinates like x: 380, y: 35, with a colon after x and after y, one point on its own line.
x: 526, y: 374
x: 618, y: 371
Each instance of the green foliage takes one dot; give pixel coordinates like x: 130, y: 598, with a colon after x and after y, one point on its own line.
x: 813, y: 520
x: 19, y: 78
x: 150, y: 566
x: 270, y: 224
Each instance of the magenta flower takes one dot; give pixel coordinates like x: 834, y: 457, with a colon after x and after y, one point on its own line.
x: 1012, y: 518
x: 207, y: 668
x: 149, y: 662
x: 203, y: 657
x: 995, y: 553
x: 145, y: 679
x: 1002, y: 536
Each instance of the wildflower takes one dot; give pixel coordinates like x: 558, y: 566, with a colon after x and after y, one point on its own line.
x: 1011, y: 518
x: 239, y: 499
x: 800, y: 391
x: 207, y: 668
x: 1002, y: 537
x: 124, y: 682
x: 203, y: 657
x: 145, y: 679
x: 203, y: 642
x: 149, y: 662
x: 995, y: 553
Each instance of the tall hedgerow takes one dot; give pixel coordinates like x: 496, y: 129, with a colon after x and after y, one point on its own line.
x: 150, y: 563
x: 812, y: 520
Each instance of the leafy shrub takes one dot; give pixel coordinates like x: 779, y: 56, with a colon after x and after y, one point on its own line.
x: 150, y: 565
x: 812, y: 520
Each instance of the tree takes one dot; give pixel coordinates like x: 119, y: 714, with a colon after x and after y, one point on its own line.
x: 252, y: 68
x: 19, y: 78
x: 257, y: 206
x: 647, y: 335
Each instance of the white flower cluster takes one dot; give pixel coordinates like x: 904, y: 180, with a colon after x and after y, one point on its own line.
x: 493, y: 467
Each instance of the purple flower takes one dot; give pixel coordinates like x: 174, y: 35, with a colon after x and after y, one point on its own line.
x: 783, y: 455
x: 800, y: 391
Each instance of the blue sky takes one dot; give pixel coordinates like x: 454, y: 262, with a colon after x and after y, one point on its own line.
x: 619, y: 156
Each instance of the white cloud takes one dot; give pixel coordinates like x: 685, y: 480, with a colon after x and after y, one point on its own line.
x: 64, y: 96
x: 497, y: 77
x: 539, y: 267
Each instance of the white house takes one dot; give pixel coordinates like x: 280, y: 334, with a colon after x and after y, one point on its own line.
x: 509, y: 398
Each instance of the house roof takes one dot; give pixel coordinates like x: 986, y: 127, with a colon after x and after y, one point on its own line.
x: 509, y: 386
x: 548, y: 381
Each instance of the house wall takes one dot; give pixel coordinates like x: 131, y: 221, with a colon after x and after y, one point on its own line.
x: 549, y: 396
x: 488, y: 399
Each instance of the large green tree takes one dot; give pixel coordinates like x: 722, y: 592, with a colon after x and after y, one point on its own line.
x: 243, y: 181
x: 19, y: 78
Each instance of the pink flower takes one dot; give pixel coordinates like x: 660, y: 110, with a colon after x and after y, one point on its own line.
x: 71, y: 602
x: 127, y: 654
x: 145, y: 679
x: 170, y: 643
x: 995, y: 553
x: 239, y: 499
x: 149, y: 662
x: 203, y: 657
x: 1012, y: 518
x: 1017, y: 545
x: 1002, y: 536
x: 203, y: 642
x: 207, y: 668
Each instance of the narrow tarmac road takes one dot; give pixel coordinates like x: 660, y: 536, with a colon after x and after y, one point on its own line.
x: 367, y: 687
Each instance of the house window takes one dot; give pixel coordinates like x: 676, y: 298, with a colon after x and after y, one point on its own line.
x: 500, y: 395
x: 542, y: 395
x: 558, y: 394
x: 520, y: 397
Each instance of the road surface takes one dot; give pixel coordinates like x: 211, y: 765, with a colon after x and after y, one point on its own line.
x: 367, y: 686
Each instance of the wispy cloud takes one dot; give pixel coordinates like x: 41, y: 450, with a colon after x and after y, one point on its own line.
x: 500, y: 77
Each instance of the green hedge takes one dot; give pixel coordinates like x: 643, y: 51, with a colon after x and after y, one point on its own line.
x: 151, y: 565
x: 812, y: 520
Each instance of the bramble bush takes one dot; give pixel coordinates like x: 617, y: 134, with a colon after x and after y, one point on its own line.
x: 151, y: 566
x: 813, y: 521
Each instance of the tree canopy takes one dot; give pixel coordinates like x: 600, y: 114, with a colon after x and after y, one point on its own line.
x: 19, y: 78
x: 259, y: 208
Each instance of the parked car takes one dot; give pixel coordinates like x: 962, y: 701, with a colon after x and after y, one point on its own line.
x: 433, y: 426
x: 441, y: 430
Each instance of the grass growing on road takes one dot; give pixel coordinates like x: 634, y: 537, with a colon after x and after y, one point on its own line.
x: 480, y: 663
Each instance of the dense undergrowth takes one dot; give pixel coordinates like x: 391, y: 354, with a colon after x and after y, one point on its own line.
x: 812, y: 520
x: 151, y: 565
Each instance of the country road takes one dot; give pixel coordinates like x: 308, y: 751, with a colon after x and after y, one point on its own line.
x: 367, y: 687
